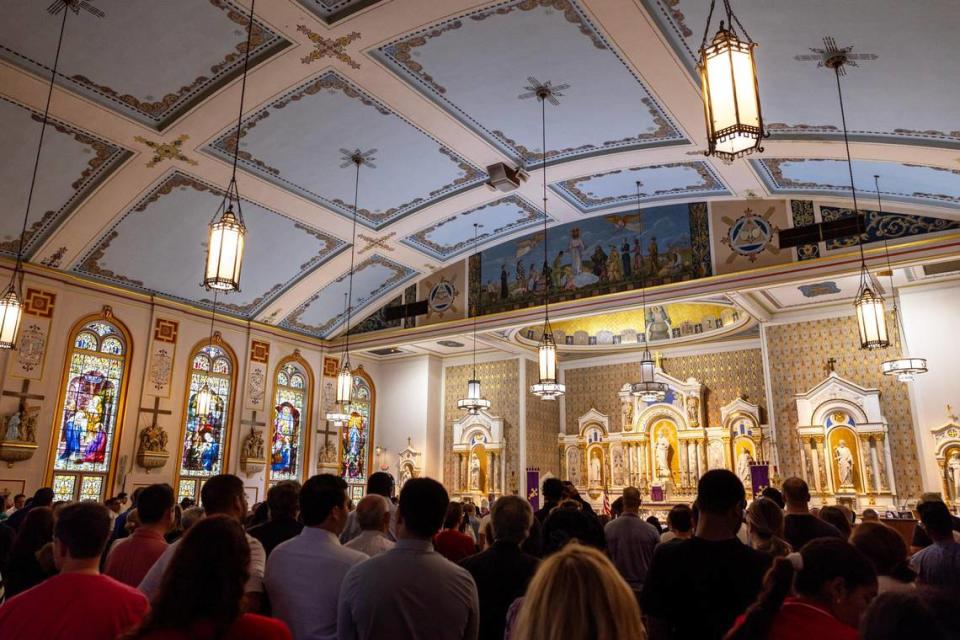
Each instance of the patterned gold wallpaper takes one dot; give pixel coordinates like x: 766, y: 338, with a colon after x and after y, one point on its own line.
x: 798, y: 361
x: 543, y: 427
x: 501, y: 386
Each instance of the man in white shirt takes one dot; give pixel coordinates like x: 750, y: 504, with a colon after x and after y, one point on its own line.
x: 379, y: 483
x: 411, y: 592
x: 304, y: 573
x: 373, y: 516
x: 221, y: 494
x: 18, y: 501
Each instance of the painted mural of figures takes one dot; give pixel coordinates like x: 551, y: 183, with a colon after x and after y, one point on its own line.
x: 556, y: 272
x: 654, y: 254
x: 663, y: 456
x: 97, y: 445
x: 953, y: 467
x: 614, y: 266
x: 504, y: 286
x: 599, y: 260
x: 575, y: 246
x: 658, y: 323
x: 844, y: 464
x: 637, y: 256
x: 532, y: 278
x: 625, y: 259
x: 546, y: 279
x: 521, y: 278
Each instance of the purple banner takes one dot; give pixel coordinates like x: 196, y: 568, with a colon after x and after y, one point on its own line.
x: 656, y: 493
x: 759, y: 477
x: 533, y: 488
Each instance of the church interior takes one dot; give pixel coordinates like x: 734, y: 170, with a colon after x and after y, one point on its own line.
x: 490, y: 243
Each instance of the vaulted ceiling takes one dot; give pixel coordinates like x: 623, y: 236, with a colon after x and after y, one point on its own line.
x: 144, y: 128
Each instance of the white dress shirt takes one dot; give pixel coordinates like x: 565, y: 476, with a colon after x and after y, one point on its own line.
x: 371, y: 542
x: 303, y: 581
x: 150, y: 585
x: 408, y: 593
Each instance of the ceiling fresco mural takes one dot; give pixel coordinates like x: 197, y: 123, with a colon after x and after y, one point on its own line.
x: 477, y: 65
x: 149, y: 61
x: 327, y: 119
x: 800, y: 99
x: 618, y: 188
x: 73, y: 163
x: 138, y: 252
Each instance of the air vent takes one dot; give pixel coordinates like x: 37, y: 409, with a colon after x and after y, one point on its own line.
x: 452, y: 344
x: 941, y: 268
x: 387, y: 351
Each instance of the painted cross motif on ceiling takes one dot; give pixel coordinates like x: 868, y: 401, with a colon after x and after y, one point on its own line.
x: 167, y: 150
x: 376, y: 243
x: 329, y: 47
x: 830, y: 53
x: 543, y: 90
x: 363, y: 158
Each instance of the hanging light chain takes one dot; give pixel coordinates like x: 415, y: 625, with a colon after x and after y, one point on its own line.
x: 886, y: 251
x: 243, y: 93
x: 543, y: 93
x: 846, y: 144
x: 476, y: 300
x: 357, y: 160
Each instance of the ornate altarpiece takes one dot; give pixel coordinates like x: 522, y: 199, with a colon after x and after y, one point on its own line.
x: 478, y: 446
x: 947, y: 442
x: 409, y: 464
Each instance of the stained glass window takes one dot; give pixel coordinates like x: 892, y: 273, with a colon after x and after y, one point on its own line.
x: 87, y: 431
x: 204, y: 436
x: 286, y: 437
x: 356, y: 437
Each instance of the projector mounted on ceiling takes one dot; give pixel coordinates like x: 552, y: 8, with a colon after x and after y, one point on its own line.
x: 505, y: 178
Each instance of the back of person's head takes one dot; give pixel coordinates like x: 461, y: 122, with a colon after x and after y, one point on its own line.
x: 135, y: 496
x: 631, y: 499
x: 680, y: 518
x: 35, y: 531
x: 380, y: 483
x: 469, y: 508
x: 577, y: 594
x: 564, y: 526
x: 512, y: 518
x: 372, y: 510
x: 654, y: 521
x: 772, y: 493
x: 885, y: 548
x: 155, y: 503
x: 204, y: 580
x: 423, y: 505
x: 81, y: 530
x: 796, y: 492
x: 765, y: 518
x: 870, y: 515
x: 223, y: 494
x: 835, y: 516
x: 616, y: 507
x: 936, y: 519
x: 553, y: 489
x: 283, y: 499
x: 453, y: 516
x: 42, y: 497
x: 930, y: 614
x: 319, y: 496
x: 720, y: 491
x: 190, y: 517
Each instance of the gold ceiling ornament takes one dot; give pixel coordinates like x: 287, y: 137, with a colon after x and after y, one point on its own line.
x: 172, y: 150
x: 731, y: 93
x: 329, y: 47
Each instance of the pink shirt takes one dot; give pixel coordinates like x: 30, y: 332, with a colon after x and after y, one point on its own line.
x: 131, y: 558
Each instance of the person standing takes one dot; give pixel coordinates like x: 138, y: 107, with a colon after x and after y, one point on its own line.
x: 23, y: 569
x: 130, y: 558
x: 373, y: 515
x: 42, y: 497
x: 410, y: 592
x: 631, y: 541
x: 18, y: 501
x: 379, y: 483
x: 451, y: 542
x: 679, y: 524
x: 938, y: 565
x: 800, y: 526
x: 282, y: 503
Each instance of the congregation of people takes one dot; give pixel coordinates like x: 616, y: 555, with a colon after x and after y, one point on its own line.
x: 308, y: 564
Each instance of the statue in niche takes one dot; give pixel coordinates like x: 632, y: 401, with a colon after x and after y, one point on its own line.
x: 13, y: 427
x: 663, y: 455
x: 406, y: 472
x: 693, y: 411
x: 596, y: 469
x: 744, y: 460
x: 20, y: 426
x: 844, y: 464
x: 253, y: 446
x: 628, y: 415
x: 953, y: 466
x: 475, y: 473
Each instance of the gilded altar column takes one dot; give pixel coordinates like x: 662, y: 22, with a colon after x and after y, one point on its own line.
x: 495, y: 474
x: 827, y: 463
x: 692, y: 462
x: 891, y: 482
x: 865, y: 455
x: 803, y: 460
x: 815, y: 458
x: 875, y: 463
x: 457, y: 479
x: 702, y: 456
x: 489, y: 478
x: 684, y: 464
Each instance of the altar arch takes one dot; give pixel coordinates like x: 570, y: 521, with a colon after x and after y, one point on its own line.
x: 478, y: 446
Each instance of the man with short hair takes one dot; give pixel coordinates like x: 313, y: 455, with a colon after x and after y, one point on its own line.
x: 373, y: 516
x: 282, y: 503
x: 696, y: 588
x: 920, y: 538
x: 130, y: 558
x: 79, y: 603
x: 503, y: 571
x: 304, y: 574
x: 18, y: 501
x: 380, y: 483
x: 679, y: 524
x: 938, y: 565
x: 799, y: 525
x: 220, y: 494
x: 411, y: 592
x: 631, y: 541
x: 120, y: 522
x: 42, y: 497
x: 552, y: 495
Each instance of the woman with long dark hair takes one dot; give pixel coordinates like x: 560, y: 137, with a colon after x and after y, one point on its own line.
x: 201, y: 591
x: 23, y: 569
x: 833, y: 582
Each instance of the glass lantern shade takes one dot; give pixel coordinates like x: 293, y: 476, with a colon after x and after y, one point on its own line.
x: 547, y: 387
x: 205, y: 399
x: 338, y: 418
x: 344, y: 384
x: 11, y: 311
x: 647, y: 367
x: 474, y: 402
x: 904, y: 368
x: 731, y: 98
x: 225, y: 253
x: 871, y: 319
x: 649, y: 391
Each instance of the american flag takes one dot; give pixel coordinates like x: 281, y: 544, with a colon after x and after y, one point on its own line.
x: 606, y: 505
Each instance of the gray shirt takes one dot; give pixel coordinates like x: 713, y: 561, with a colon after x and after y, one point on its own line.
x: 410, y: 592
x: 938, y: 565
x: 630, y: 543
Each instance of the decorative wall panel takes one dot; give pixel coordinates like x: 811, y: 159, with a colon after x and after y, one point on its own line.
x: 543, y: 427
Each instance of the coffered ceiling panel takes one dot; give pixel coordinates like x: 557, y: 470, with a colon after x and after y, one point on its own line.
x: 323, y: 313
x: 618, y: 188
x: 454, y: 235
x: 72, y: 163
x: 328, y: 118
x: 896, y: 40
x: 477, y: 65
x: 140, y: 252
x: 150, y: 61
x: 905, y: 182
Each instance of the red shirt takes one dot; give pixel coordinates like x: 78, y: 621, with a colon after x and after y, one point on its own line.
x: 248, y: 626
x: 800, y: 619
x: 453, y: 545
x: 131, y: 558
x: 73, y: 606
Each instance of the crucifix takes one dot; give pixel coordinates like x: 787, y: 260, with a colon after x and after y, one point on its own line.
x: 831, y: 364
x: 252, y: 422
x: 24, y: 395
x: 155, y: 411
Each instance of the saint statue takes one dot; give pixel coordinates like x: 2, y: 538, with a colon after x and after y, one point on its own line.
x: 663, y: 455
x: 744, y: 460
x: 715, y: 453
x: 844, y: 464
x: 595, y: 471
x: 406, y: 472
x: 13, y: 427
x: 573, y: 466
x: 617, y: 467
x: 693, y: 411
x: 475, y: 473
x: 953, y: 465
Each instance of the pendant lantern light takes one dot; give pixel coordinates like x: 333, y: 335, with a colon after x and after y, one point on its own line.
x: 474, y: 402
x: 547, y: 387
x: 648, y: 389
x: 731, y: 95
x: 227, y: 233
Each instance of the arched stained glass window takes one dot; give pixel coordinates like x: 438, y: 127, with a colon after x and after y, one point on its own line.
x: 291, y: 417
x: 94, y: 383
x: 205, y: 436
x: 356, y: 438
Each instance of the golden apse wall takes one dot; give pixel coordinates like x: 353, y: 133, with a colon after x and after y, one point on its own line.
x: 543, y: 423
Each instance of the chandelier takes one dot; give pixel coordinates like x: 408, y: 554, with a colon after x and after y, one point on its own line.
x: 648, y: 389
x: 226, y: 232
x: 474, y: 402
x: 547, y: 387
x: 731, y: 95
